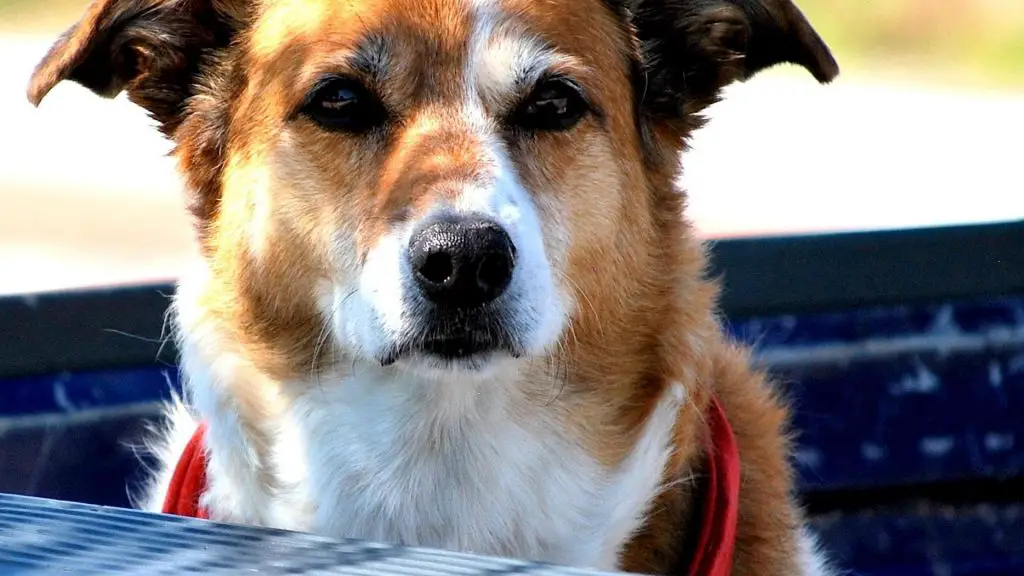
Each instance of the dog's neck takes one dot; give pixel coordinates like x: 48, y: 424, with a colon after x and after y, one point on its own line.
x: 508, y: 464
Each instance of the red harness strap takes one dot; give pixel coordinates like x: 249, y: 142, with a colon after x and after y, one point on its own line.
x: 712, y: 557
x: 189, y: 480
x: 717, y: 539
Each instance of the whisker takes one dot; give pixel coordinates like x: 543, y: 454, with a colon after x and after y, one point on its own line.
x: 593, y: 309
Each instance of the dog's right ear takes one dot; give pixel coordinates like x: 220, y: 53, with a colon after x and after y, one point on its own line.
x: 153, y: 49
x: 689, y: 50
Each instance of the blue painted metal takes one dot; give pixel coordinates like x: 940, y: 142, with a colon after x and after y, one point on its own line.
x: 71, y: 436
x: 928, y: 540
x: 918, y: 418
x: 901, y: 395
x: 69, y: 393
x: 879, y: 323
x: 87, y: 460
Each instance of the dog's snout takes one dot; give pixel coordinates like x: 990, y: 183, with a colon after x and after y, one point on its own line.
x: 462, y: 263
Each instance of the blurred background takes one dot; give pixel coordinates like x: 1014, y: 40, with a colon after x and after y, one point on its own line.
x: 903, y: 351
x: 922, y: 128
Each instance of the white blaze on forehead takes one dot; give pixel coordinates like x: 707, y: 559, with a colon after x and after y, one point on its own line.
x: 384, y: 306
x: 504, y: 58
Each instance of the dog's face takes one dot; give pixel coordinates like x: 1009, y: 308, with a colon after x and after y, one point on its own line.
x: 444, y: 182
x: 436, y: 157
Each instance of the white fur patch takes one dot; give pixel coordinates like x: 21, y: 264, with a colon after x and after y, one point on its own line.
x: 641, y: 475
x: 212, y: 374
x: 811, y: 559
x: 371, y: 315
x: 165, y: 445
x: 503, y: 60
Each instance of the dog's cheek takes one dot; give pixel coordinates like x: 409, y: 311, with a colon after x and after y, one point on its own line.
x: 537, y: 171
x: 581, y: 196
x: 323, y: 206
x: 292, y: 199
x: 201, y: 143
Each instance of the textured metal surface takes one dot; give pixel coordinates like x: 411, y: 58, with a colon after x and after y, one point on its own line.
x: 49, y: 537
x: 928, y: 539
x: 902, y: 394
x: 72, y: 393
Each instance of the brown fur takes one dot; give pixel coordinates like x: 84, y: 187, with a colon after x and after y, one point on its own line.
x: 224, y: 84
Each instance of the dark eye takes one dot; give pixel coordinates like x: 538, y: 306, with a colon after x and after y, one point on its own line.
x: 555, y: 104
x: 344, y: 104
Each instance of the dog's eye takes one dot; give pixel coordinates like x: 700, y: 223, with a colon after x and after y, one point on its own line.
x: 344, y: 104
x: 555, y: 104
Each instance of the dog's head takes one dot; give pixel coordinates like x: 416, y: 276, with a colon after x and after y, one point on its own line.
x: 446, y: 183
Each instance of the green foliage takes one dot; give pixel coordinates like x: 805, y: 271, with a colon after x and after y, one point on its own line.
x: 979, y: 41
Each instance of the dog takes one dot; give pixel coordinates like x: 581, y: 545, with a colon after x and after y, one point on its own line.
x: 447, y: 295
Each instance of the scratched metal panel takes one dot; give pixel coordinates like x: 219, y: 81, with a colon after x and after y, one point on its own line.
x: 89, y: 459
x: 926, y: 539
x: 58, y: 429
x: 72, y: 393
x: 901, y: 394
x: 910, y: 419
x: 48, y: 537
x: 988, y: 316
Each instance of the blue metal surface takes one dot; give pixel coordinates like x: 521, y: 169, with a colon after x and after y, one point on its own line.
x: 90, y: 460
x: 984, y: 316
x: 901, y: 395
x: 928, y: 540
x: 69, y: 393
x: 49, y: 537
x: 911, y: 419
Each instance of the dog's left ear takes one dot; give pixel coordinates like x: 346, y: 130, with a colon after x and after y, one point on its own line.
x: 691, y: 49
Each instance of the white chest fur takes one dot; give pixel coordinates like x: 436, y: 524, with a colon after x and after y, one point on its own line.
x: 388, y: 461
x: 454, y: 465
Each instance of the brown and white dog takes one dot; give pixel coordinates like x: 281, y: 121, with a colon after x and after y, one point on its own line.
x: 447, y: 294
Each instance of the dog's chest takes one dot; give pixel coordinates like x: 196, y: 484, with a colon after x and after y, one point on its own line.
x: 468, y: 473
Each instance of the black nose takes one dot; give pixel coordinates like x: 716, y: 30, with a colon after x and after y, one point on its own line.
x: 462, y: 263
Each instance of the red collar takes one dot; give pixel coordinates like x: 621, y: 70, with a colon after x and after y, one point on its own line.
x: 717, y: 537
x: 189, y: 480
